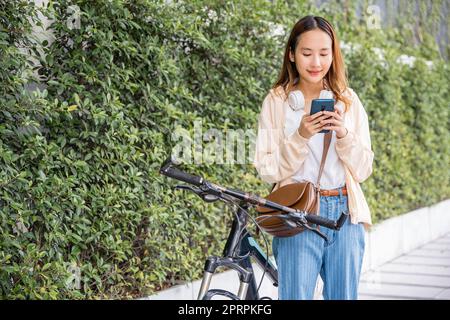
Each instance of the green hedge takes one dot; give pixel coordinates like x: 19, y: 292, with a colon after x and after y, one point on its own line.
x: 80, y: 191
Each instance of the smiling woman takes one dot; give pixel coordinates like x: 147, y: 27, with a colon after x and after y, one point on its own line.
x: 313, y: 54
x: 311, y: 58
x: 289, y: 150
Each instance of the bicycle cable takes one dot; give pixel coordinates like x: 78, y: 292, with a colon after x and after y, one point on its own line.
x: 231, y: 202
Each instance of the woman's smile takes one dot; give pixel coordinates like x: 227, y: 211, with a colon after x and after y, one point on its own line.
x: 314, y: 73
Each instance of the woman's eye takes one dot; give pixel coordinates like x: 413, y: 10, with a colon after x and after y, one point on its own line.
x: 322, y: 55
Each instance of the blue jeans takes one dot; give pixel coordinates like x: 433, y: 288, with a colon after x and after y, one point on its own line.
x: 302, y: 257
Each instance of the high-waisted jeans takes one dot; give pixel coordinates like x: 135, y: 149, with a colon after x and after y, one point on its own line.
x: 301, y: 258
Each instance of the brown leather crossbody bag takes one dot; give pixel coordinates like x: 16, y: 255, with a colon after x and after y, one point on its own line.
x: 304, y: 196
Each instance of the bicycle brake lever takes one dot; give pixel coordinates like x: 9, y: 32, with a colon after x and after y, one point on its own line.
x: 205, y: 196
x: 316, y: 230
x: 301, y: 222
x: 290, y: 223
x: 324, y: 237
x: 193, y: 189
x: 320, y: 234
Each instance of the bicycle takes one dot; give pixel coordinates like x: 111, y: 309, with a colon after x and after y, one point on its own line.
x: 240, y: 245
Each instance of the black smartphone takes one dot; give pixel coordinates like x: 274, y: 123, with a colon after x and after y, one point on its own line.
x: 318, y: 105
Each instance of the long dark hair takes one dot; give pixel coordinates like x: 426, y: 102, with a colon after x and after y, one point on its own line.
x: 335, y: 79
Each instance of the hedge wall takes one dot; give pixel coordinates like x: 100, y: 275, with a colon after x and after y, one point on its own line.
x: 80, y: 193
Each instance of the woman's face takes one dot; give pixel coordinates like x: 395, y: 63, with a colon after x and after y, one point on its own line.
x: 313, y: 55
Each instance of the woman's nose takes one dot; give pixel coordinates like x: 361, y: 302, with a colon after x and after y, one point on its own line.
x: 315, y: 61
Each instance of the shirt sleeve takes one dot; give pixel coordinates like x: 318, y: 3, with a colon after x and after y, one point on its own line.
x: 355, y: 148
x: 277, y: 157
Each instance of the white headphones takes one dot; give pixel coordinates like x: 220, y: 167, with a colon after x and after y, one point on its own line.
x: 297, y: 100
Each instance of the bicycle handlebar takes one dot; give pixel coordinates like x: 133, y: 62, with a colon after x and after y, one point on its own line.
x: 170, y: 171
x: 321, y: 221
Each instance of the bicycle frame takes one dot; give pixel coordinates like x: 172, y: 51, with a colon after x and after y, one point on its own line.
x: 241, y: 262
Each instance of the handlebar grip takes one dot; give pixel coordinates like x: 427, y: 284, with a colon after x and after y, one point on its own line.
x: 321, y: 221
x: 175, y: 173
x: 340, y: 222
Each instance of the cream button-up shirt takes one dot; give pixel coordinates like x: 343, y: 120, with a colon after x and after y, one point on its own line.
x: 281, y: 152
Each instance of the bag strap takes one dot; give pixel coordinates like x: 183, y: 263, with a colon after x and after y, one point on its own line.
x: 326, y: 146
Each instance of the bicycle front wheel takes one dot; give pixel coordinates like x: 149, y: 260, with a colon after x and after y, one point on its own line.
x: 219, y: 292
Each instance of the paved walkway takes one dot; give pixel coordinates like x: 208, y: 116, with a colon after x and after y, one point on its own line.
x: 423, y: 273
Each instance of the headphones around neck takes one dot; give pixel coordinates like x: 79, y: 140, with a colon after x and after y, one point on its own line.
x: 297, y: 100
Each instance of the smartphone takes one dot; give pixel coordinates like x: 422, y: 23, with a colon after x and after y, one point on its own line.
x: 318, y: 105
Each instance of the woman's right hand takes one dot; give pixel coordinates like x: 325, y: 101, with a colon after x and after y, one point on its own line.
x: 310, y: 125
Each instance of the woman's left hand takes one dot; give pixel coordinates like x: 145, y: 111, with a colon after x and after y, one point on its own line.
x: 336, y: 123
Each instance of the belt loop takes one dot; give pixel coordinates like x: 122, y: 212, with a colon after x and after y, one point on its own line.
x: 340, y: 193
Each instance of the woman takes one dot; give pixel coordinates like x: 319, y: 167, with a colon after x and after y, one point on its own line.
x: 289, y: 149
